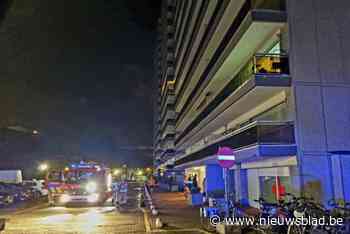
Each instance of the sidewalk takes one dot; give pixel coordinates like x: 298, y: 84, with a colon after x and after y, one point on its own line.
x: 174, y: 211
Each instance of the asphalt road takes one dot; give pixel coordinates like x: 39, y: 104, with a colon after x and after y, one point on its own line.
x: 78, y: 220
x: 75, y: 220
x: 83, y: 220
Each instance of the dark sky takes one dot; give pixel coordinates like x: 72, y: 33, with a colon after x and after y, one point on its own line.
x: 81, y: 72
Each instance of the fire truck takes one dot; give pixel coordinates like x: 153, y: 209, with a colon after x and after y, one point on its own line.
x: 83, y: 182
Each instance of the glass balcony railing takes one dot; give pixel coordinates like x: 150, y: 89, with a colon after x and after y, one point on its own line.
x: 256, y: 133
x: 275, y: 65
x: 259, y: 66
x: 261, y: 132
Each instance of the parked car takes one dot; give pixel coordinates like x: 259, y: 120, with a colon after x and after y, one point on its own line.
x: 6, y: 199
x: 16, y: 190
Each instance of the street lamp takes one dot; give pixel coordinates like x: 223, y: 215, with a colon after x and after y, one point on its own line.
x: 116, y: 172
x: 43, y: 167
x: 139, y: 172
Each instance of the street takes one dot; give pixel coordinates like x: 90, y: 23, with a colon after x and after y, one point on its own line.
x: 75, y: 220
x: 96, y: 220
x: 90, y: 220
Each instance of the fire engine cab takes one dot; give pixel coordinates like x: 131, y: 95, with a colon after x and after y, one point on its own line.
x: 84, y: 182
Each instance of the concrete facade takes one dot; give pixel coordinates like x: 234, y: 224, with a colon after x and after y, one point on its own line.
x: 288, y: 124
x: 320, y: 61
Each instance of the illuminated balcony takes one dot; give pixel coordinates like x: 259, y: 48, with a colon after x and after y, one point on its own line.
x: 264, y: 76
x: 255, y: 22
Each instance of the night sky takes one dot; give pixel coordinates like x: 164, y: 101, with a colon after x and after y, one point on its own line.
x: 81, y: 72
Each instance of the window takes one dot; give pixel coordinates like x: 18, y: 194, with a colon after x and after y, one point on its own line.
x: 273, y: 188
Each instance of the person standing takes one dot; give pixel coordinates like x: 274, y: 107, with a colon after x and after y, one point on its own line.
x: 151, y: 183
x: 195, y: 182
x: 122, y: 192
x: 115, y: 188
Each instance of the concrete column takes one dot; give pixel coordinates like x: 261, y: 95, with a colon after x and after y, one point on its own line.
x: 214, y: 178
x: 320, y: 69
x: 241, y: 185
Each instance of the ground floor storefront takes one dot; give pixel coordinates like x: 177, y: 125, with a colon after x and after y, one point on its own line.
x: 271, y: 178
x: 268, y: 179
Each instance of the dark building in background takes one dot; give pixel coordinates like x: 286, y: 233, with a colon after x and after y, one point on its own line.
x: 268, y: 78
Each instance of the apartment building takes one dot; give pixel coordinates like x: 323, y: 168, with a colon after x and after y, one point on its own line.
x: 268, y: 78
x: 164, y: 132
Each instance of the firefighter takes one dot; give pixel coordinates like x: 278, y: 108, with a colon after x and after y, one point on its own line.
x: 115, y: 187
x: 122, y: 192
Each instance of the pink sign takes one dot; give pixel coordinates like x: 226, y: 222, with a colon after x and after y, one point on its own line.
x: 226, y: 157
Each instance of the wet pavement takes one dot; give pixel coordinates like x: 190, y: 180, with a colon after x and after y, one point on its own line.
x: 78, y: 220
x: 75, y: 220
x: 89, y: 220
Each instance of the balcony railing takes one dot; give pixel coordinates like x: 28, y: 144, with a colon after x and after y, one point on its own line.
x: 167, y: 121
x: 249, y: 6
x: 256, y: 133
x: 261, y: 65
x: 258, y: 67
x: 261, y: 132
x: 168, y: 130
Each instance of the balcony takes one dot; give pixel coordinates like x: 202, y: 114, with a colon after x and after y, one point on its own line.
x: 170, y: 29
x: 170, y: 57
x: 263, y: 77
x: 158, y: 148
x: 170, y: 16
x: 169, y: 118
x: 256, y: 22
x: 167, y: 111
x: 168, y: 143
x: 170, y: 43
x: 255, y: 141
x: 170, y: 3
x: 167, y: 156
x: 168, y: 100
x: 169, y: 129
